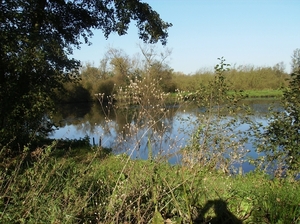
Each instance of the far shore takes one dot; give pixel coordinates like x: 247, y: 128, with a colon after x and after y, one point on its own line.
x: 266, y: 93
x: 262, y: 93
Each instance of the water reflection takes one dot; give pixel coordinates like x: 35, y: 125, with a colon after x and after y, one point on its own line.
x: 118, y: 129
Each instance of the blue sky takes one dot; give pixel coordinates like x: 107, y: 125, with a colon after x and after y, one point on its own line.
x: 244, y: 32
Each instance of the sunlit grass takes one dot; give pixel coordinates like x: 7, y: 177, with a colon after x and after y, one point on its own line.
x: 262, y: 93
x: 93, y: 188
x: 276, y: 93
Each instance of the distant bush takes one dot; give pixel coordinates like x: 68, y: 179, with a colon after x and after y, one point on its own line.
x: 74, y: 92
x: 257, y: 78
x: 106, y: 87
x: 240, y: 78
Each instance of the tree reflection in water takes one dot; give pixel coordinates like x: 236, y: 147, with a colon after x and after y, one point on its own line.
x: 122, y: 131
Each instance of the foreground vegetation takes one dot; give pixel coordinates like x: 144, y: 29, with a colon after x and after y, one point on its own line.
x: 88, y: 185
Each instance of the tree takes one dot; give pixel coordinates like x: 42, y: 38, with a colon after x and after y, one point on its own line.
x: 295, y: 63
x: 281, y: 137
x: 155, y: 67
x: 36, y: 42
x: 164, y: 74
x: 121, y: 65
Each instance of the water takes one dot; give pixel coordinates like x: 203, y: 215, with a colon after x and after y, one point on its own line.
x: 167, y: 137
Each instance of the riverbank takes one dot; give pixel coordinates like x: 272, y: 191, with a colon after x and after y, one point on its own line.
x: 271, y: 93
x: 267, y: 93
x: 92, y: 186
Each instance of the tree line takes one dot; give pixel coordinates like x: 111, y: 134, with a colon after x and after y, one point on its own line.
x: 116, y: 68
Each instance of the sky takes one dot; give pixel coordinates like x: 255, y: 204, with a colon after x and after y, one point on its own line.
x: 245, y: 32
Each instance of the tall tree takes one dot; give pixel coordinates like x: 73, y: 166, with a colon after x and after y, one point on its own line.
x: 280, y: 139
x: 295, y: 63
x: 36, y: 42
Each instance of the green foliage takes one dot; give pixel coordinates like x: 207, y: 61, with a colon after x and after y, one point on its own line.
x: 280, y: 138
x: 36, y: 41
x: 240, y: 78
x: 191, y: 83
x: 106, y: 87
x: 73, y: 93
x: 165, y: 76
x: 260, y: 78
x: 118, y: 70
x: 157, y: 218
x: 295, y: 63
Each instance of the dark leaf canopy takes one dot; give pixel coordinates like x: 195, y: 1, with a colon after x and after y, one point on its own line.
x: 72, y: 19
x: 36, y: 42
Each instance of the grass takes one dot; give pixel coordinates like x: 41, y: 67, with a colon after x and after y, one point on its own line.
x: 89, y: 185
x: 272, y: 93
x: 262, y: 93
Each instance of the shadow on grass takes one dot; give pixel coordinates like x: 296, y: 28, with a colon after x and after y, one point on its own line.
x: 222, y: 214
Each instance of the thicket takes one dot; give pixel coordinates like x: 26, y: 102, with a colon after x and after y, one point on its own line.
x: 258, y: 78
x: 244, y: 78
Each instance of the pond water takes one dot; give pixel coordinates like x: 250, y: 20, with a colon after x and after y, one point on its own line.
x: 172, y: 132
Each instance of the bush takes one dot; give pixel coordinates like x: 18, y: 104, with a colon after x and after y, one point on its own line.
x: 280, y: 139
x: 106, y: 87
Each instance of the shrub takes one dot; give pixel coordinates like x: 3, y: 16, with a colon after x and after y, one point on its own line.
x: 280, y: 139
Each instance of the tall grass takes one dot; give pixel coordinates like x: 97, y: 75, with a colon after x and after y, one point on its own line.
x: 93, y: 188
